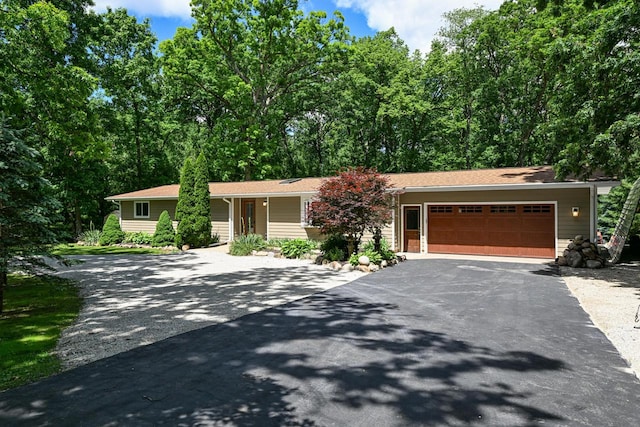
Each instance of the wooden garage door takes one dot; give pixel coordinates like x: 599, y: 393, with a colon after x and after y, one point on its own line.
x: 510, y: 230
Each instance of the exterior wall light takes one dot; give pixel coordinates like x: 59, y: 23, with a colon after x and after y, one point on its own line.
x: 575, y: 211
x: 264, y: 202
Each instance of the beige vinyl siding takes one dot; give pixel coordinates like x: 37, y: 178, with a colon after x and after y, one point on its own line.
x: 138, y: 225
x: 284, y: 218
x: 148, y: 225
x: 155, y: 209
x: 261, y: 217
x: 219, y: 216
x: 220, y: 219
x: 568, y: 226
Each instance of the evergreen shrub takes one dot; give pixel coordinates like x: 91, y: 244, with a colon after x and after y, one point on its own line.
x: 112, y: 234
x: 164, y: 235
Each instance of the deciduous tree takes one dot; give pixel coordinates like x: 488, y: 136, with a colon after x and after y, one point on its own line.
x: 354, y: 201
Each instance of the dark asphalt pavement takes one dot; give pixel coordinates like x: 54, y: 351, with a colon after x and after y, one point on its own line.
x: 429, y: 342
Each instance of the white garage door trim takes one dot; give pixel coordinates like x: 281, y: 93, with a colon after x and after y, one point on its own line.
x: 425, y: 228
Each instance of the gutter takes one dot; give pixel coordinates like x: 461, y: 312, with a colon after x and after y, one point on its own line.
x: 493, y: 187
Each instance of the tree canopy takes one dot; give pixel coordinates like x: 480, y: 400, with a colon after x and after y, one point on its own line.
x: 266, y: 89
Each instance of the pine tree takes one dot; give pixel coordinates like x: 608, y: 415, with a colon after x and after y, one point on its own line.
x: 164, y: 235
x: 202, y: 207
x: 112, y: 234
x: 186, y: 203
x: 27, y: 207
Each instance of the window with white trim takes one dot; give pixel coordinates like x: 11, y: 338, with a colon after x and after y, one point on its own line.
x: 141, y: 209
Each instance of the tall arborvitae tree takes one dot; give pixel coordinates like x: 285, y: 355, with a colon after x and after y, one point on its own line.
x: 27, y: 208
x: 202, y: 207
x: 186, y: 203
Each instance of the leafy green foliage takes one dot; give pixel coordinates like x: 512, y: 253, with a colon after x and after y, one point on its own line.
x: 610, y: 207
x: 112, y: 234
x: 38, y: 309
x: 385, y: 251
x: 355, y: 201
x: 247, y: 67
x: 137, y: 237
x: 164, y: 234
x: 296, y: 248
x: 335, y: 248
x: 277, y: 242
x: 244, y: 245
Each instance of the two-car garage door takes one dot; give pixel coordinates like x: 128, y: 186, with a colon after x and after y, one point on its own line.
x: 526, y: 230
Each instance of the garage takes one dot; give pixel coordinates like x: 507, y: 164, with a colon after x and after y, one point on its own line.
x: 526, y: 230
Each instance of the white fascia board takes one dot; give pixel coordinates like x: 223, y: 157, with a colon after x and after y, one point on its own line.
x: 216, y: 196
x: 123, y: 199
x: 493, y: 187
x: 263, y: 195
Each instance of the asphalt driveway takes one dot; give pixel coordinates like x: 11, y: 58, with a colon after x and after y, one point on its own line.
x: 430, y: 342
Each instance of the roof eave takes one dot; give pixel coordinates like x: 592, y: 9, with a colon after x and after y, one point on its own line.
x: 213, y: 196
x: 521, y: 186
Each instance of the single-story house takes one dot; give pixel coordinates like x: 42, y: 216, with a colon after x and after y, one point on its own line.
x: 521, y: 211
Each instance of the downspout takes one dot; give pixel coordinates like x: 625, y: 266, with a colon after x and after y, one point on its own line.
x: 268, y: 216
x: 230, y: 210
x: 593, y: 208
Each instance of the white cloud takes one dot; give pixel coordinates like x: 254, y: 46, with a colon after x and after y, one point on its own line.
x: 165, y: 8
x: 415, y: 21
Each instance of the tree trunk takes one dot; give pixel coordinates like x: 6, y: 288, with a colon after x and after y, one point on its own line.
x: 77, y: 220
x: 3, y: 281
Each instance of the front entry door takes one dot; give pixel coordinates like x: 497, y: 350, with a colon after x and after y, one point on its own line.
x: 248, y: 220
x: 412, y: 229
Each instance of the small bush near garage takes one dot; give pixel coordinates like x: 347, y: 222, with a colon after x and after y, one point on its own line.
x: 164, y: 235
x: 334, y: 248
x: 112, y: 234
x: 245, y: 245
x: 374, y: 257
x: 385, y: 250
x: 137, y: 238
x: 297, y: 248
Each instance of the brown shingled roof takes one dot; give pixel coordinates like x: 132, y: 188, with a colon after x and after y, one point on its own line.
x: 478, y: 177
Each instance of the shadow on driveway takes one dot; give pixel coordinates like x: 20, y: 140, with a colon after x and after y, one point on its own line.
x: 426, y: 343
x: 132, y: 301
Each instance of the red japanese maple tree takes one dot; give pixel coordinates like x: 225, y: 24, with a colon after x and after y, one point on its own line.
x: 354, y: 201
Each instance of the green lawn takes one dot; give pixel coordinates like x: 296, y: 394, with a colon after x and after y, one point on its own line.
x: 72, y: 249
x: 36, y: 310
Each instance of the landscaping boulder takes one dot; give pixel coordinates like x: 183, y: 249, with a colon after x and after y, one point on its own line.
x: 582, y: 253
x: 364, y: 260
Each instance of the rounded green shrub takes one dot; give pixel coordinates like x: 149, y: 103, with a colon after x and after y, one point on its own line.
x: 335, y: 248
x: 112, y: 234
x: 164, y: 235
x: 297, y: 248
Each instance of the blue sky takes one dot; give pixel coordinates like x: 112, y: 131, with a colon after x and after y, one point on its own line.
x: 416, y: 21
